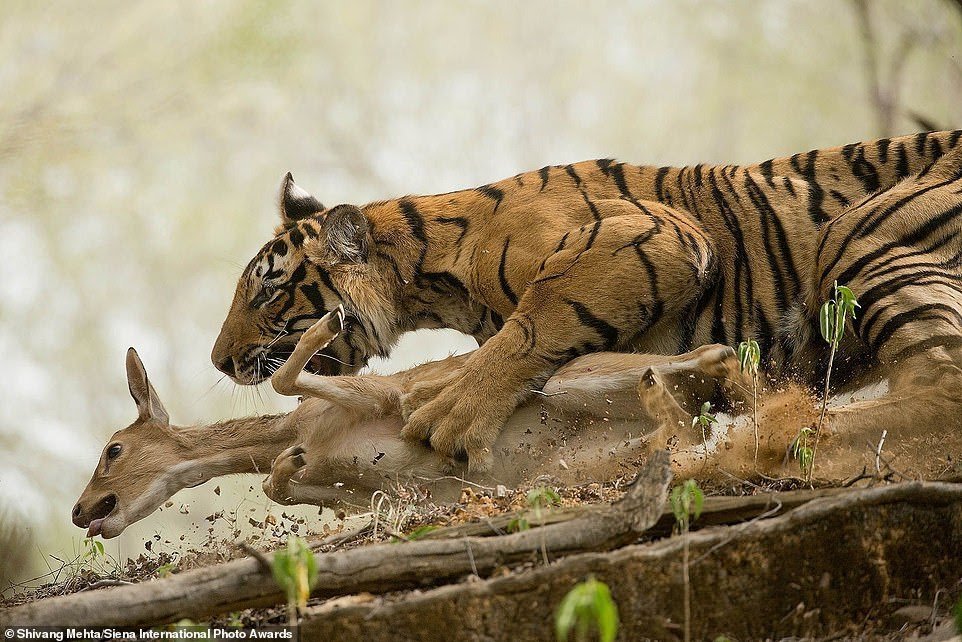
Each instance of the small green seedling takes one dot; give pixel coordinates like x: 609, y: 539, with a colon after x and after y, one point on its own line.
x: 831, y: 323
x: 518, y: 524
x: 749, y: 357
x: 295, y: 571
x: 542, y: 497
x: 91, y: 555
x: 802, y: 451
x: 686, y: 503
x: 832, y: 316
x: 93, y: 549
x: 957, y: 613
x: 587, y: 606
x: 704, y: 420
x: 538, y: 499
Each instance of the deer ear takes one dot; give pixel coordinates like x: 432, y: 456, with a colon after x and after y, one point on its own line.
x: 296, y: 203
x: 344, y: 232
x: 148, y: 403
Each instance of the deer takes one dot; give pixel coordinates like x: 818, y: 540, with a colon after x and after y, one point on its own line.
x: 593, y: 420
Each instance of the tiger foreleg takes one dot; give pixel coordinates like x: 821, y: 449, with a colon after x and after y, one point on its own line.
x: 599, y: 293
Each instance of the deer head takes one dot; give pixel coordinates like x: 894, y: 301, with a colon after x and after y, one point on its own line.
x: 141, y: 466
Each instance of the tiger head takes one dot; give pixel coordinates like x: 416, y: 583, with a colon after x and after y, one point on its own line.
x: 317, y: 260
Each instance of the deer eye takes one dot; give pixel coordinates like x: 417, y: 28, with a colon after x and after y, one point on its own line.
x: 114, y: 451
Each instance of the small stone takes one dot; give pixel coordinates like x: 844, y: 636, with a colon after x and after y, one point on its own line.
x: 911, y: 615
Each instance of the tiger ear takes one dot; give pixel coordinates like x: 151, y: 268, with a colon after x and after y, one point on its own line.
x: 344, y: 236
x: 296, y: 203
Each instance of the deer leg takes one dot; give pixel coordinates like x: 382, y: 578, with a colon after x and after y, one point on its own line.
x: 370, y: 395
x: 291, y: 482
x: 290, y: 379
x: 663, y: 392
x: 661, y: 406
x: 286, y: 466
x: 606, y: 384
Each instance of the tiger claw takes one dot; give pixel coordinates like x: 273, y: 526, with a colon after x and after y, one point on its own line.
x: 416, y: 431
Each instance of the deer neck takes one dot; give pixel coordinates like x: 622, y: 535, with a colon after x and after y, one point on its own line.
x: 246, y: 445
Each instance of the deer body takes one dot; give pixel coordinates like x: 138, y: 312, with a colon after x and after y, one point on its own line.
x: 593, y: 420
x: 343, y: 442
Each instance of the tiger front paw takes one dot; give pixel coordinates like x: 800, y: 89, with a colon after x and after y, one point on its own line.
x: 421, y: 395
x: 462, y: 419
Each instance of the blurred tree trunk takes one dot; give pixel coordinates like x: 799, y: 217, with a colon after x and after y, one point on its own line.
x: 885, y: 85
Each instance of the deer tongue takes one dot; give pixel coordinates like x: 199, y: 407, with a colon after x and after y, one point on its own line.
x: 95, y: 527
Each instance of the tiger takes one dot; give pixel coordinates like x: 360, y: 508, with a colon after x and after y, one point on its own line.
x: 600, y: 255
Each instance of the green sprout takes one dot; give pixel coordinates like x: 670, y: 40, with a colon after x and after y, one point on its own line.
x: 295, y: 571
x: 686, y: 502
x: 749, y: 356
x: 831, y: 323
x: 542, y: 497
x: 704, y: 420
x: 832, y: 317
x: 93, y: 549
x: 587, y: 606
x: 801, y: 450
x: 92, y: 556
x: 518, y: 524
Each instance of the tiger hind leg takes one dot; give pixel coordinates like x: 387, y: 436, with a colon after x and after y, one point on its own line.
x: 915, y: 427
x: 900, y: 252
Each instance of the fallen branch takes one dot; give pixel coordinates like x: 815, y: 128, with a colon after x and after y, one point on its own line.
x: 717, y: 511
x: 818, y: 571
x: 380, y: 568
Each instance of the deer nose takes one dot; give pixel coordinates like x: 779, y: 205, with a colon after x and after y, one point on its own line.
x: 78, y: 516
x: 227, y: 367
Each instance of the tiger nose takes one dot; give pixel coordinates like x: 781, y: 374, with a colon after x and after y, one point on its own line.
x: 227, y: 366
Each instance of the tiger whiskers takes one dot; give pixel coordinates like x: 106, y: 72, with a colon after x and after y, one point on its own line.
x: 281, y: 333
